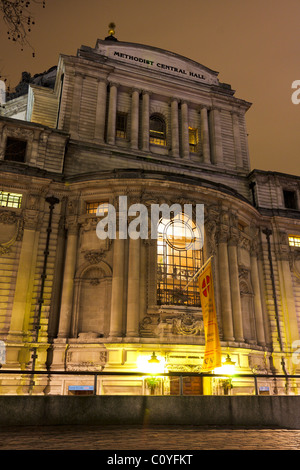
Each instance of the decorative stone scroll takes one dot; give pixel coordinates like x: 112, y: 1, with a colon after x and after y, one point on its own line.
x: 12, y: 234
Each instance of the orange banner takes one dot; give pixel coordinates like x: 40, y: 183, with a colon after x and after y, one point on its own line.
x: 212, y: 354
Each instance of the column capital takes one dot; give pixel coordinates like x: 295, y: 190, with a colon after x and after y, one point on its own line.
x: 72, y: 225
x: 135, y: 90
x: 113, y: 84
x: 146, y: 92
x: 31, y: 219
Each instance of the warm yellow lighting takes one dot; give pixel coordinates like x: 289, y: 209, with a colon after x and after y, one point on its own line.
x: 227, y: 367
x: 151, y: 364
x: 294, y: 240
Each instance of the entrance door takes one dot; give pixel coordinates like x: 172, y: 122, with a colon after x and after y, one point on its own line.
x: 191, y: 386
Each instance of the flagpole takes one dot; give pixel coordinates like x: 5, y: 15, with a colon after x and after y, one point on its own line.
x: 198, y: 272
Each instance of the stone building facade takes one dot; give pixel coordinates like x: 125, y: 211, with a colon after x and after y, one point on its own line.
x: 130, y: 120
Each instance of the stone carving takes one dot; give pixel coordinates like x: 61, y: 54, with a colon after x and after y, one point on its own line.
x: 94, y: 256
x: 10, y: 218
x: 295, y: 263
x: 185, y: 324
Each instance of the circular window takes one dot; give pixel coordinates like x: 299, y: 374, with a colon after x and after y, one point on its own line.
x: 179, y: 234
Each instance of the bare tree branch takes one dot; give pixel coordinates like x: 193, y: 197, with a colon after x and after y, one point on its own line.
x: 18, y: 18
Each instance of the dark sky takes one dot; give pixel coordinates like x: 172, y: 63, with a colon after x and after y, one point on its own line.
x: 253, y: 44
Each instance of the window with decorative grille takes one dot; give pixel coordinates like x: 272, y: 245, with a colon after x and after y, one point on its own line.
x: 178, y: 261
x: 121, y: 125
x: 157, y: 130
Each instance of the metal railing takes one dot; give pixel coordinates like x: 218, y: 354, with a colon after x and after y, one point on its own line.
x: 288, y: 380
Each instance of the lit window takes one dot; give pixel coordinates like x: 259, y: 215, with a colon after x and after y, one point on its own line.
x: 178, y: 261
x: 10, y: 199
x: 15, y: 150
x: 121, y: 125
x: 193, y: 139
x: 294, y: 240
x: 157, y: 130
x: 91, y: 207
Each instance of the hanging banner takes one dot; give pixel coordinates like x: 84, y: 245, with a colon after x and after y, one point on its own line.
x: 212, y: 355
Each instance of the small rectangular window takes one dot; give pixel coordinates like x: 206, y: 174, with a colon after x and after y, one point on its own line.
x: 10, y: 199
x: 91, y: 207
x: 290, y: 199
x: 193, y: 139
x: 294, y: 240
x: 15, y: 150
x: 121, y: 125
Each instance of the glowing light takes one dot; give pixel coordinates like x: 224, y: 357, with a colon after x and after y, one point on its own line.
x: 151, y: 364
x: 227, y: 367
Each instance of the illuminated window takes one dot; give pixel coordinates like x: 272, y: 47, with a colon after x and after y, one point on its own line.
x: 10, y: 199
x: 15, y: 150
x: 121, y: 125
x: 294, y: 240
x: 193, y: 139
x: 178, y: 260
x: 91, y: 207
x: 157, y: 130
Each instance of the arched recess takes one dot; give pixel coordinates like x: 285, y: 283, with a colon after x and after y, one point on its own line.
x: 92, y: 297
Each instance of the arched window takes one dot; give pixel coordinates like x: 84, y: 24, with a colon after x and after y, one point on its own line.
x: 157, y: 130
x: 179, y: 257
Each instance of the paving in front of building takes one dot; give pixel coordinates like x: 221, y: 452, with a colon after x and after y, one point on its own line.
x: 175, y: 438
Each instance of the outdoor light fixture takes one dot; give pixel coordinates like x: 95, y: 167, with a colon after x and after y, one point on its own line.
x: 154, y: 359
x: 151, y: 365
x: 227, y: 367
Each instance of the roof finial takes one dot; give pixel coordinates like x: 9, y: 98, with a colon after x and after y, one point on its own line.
x: 111, y: 30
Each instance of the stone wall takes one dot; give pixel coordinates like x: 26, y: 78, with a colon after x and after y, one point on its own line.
x: 255, y: 411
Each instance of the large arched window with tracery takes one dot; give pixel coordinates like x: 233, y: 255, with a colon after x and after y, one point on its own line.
x: 158, y: 133
x: 179, y: 257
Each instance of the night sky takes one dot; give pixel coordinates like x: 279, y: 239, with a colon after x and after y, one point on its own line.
x: 253, y: 44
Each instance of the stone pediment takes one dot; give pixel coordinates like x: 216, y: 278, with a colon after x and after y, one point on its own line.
x: 156, y: 59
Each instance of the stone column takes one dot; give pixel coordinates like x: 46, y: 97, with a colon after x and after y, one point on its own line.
x: 68, y: 280
x: 100, y: 111
x: 25, y: 277
x: 145, y: 121
x: 258, y: 312
x: 288, y: 296
x: 117, y: 290
x: 174, y: 127
x: 185, y: 130
x: 224, y: 279
x: 112, y: 110
x: 133, y: 293
x: 135, y: 98
x: 235, y: 288
x: 237, y: 140
x: 205, y: 135
x: 75, y: 112
x: 215, y: 136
